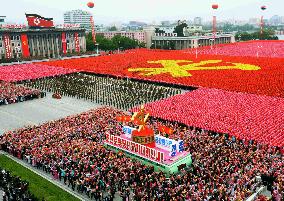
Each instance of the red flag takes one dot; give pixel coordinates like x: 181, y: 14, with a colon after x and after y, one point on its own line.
x: 162, y: 129
x: 165, y: 129
x: 126, y: 118
x: 38, y: 21
x: 77, y: 44
x: 25, y: 45
x: 7, y: 45
x: 64, y: 44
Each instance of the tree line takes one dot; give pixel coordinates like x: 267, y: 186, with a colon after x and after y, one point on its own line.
x: 267, y: 34
x: 117, y: 42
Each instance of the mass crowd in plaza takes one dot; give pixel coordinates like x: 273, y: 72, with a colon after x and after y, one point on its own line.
x: 120, y: 93
x: 239, y: 149
x: 12, y: 93
x: 183, y: 68
x: 246, y: 116
x: 272, y: 49
x: 71, y: 149
x: 13, y: 188
x: 14, y: 73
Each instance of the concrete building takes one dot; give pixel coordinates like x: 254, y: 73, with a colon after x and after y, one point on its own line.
x: 135, y: 35
x: 41, y: 43
x: 149, y: 33
x: 197, y: 21
x: 100, y: 28
x: 191, y: 30
x: 254, y: 21
x: 165, y: 23
x: 275, y: 20
x: 167, y: 29
x: 78, y: 17
x: 156, y: 40
x: 178, y: 43
x: 2, y: 19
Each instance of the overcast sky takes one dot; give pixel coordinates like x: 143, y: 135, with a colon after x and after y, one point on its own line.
x: 108, y: 11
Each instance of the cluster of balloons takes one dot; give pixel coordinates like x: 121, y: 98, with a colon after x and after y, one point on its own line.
x: 216, y: 6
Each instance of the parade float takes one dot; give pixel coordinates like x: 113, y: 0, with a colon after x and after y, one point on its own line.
x: 141, y: 142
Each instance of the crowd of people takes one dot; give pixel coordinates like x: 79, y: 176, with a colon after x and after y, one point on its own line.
x: 246, y: 116
x: 12, y: 93
x: 13, y: 188
x: 30, y: 71
x: 120, y: 93
x: 71, y: 149
x: 268, y: 49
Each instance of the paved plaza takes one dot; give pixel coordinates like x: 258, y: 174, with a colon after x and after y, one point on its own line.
x: 38, y: 111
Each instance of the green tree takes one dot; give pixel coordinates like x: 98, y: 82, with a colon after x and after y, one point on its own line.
x: 179, y: 29
x: 113, y: 28
x: 124, y: 42
x: 90, y: 46
x: 142, y: 45
x: 268, y: 34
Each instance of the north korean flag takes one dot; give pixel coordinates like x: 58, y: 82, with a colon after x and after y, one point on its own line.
x: 37, y: 21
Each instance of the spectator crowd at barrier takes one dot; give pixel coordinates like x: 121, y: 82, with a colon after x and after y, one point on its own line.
x: 14, y: 189
x: 119, y: 93
x: 12, y: 93
x: 71, y: 149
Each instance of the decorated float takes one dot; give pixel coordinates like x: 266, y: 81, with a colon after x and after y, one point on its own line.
x: 141, y: 142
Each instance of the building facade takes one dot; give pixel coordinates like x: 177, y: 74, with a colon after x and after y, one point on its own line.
x: 192, y: 30
x: 197, y: 21
x: 41, y: 43
x: 161, y: 40
x: 179, y: 43
x: 79, y: 17
x: 2, y: 19
x: 135, y: 35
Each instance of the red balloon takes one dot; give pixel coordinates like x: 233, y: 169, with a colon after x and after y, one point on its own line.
x: 90, y: 4
x: 215, y: 6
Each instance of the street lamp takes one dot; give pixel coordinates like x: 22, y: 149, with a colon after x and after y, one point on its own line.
x: 259, y: 46
x: 196, y: 52
x: 97, y: 44
x: 240, y: 36
x: 211, y: 42
x: 18, y: 49
x: 118, y: 46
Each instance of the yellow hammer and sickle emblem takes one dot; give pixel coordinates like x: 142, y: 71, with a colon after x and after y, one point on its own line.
x: 176, y: 70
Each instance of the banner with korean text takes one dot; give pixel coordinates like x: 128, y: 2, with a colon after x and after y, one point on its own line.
x: 64, y: 43
x: 135, y: 148
x: 7, y: 45
x: 77, y: 43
